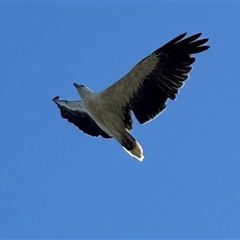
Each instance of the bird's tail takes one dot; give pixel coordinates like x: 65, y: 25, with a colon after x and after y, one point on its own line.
x: 132, y: 146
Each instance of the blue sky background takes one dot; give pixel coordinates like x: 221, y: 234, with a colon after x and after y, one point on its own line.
x: 56, y: 182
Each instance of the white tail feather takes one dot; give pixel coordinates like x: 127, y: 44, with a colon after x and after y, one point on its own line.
x: 136, y: 152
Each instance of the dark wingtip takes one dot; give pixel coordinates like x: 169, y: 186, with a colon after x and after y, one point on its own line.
x: 55, y: 98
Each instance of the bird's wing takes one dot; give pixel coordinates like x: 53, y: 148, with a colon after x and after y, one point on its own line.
x: 74, y: 112
x: 146, y: 88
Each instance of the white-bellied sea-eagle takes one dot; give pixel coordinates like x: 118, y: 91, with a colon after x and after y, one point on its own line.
x: 144, y: 91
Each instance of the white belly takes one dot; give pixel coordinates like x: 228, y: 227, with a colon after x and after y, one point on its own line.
x: 106, y: 117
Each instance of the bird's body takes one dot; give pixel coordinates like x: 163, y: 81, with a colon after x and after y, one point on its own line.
x: 144, y: 91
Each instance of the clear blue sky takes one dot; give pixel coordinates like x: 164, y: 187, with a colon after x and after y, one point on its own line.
x: 56, y: 182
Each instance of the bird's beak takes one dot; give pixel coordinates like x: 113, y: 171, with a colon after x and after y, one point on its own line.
x: 75, y: 85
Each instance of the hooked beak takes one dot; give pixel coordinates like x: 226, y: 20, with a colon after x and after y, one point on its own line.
x: 78, y: 85
x: 75, y: 85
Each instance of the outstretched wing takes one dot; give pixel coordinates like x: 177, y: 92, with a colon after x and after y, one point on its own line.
x: 74, y: 113
x: 146, y: 88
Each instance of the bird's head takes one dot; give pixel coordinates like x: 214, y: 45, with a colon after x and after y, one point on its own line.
x: 82, y: 90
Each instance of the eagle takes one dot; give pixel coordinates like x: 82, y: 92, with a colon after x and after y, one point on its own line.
x: 143, y: 91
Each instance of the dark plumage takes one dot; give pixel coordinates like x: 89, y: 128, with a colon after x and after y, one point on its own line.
x: 170, y: 72
x: 144, y: 91
x: 82, y: 120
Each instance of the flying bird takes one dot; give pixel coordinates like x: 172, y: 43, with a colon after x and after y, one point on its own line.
x: 144, y: 90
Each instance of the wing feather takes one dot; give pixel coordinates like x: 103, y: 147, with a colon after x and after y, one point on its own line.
x: 74, y: 113
x: 156, y: 78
